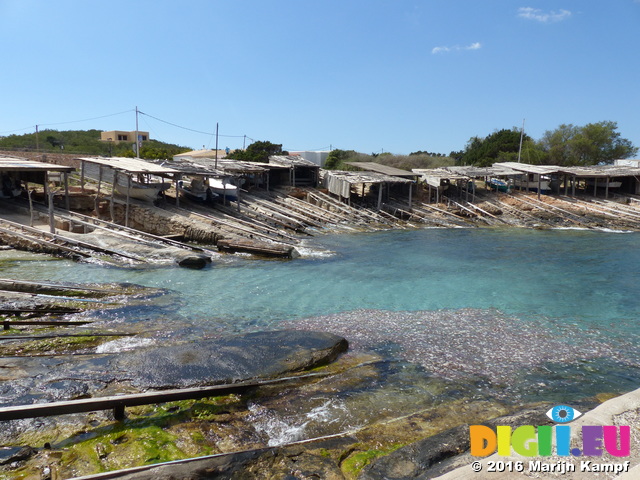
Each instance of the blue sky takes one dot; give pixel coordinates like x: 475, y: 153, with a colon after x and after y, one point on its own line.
x: 370, y: 75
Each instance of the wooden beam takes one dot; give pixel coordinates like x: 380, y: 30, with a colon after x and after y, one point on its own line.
x: 119, y: 402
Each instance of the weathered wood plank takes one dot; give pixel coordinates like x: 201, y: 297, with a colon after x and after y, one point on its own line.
x: 119, y: 402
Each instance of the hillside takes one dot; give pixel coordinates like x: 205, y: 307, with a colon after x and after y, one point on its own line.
x: 85, y: 142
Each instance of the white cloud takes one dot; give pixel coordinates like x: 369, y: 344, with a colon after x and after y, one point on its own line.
x: 456, y: 48
x: 540, y: 16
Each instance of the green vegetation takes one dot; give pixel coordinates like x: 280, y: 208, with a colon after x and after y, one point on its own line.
x: 337, y: 160
x: 258, y: 152
x: 86, y: 142
x: 592, y: 144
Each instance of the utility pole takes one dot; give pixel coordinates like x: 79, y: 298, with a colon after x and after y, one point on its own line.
x: 216, y: 146
x: 521, y: 135
x: 37, y: 143
x: 137, y: 134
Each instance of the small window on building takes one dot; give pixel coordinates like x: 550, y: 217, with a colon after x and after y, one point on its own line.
x: 122, y: 138
x: 144, y: 138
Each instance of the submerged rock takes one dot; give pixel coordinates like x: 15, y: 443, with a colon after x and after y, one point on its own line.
x: 195, y: 261
x: 254, y: 355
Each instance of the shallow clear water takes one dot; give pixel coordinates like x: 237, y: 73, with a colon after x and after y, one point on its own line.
x: 542, y: 314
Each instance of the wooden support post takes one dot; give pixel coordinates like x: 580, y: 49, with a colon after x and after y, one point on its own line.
x: 119, y: 413
x: 82, y: 162
x: 606, y: 190
x: 52, y: 224
x: 126, y: 208
x: 177, y: 179
x: 595, y: 187
x: 566, y: 185
x: 97, y: 203
x: 573, y: 185
x: 410, y: 194
x: 539, y: 185
x: 380, y: 187
x: 30, y: 204
x: 66, y: 190
x: 46, y: 188
x: 113, y: 193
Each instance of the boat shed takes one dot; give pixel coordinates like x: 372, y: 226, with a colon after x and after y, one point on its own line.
x: 340, y: 183
x: 293, y: 170
x: 126, y: 173
x: 438, y: 180
x: 624, y: 179
x: 18, y: 171
x: 384, y: 169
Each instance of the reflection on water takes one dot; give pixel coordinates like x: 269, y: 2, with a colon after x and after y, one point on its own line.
x: 513, y: 315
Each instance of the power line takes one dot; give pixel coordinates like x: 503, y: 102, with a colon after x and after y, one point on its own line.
x: 189, y: 129
x: 18, y: 130
x: 85, y: 120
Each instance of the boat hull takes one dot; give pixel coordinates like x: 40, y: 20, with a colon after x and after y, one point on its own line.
x: 147, y: 192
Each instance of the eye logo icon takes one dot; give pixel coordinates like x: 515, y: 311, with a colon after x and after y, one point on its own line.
x: 563, y: 414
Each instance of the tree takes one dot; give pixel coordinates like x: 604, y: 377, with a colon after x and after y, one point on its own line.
x: 335, y: 158
x: 258, y: 152
x: 483, y: 152
x: 593, y: 144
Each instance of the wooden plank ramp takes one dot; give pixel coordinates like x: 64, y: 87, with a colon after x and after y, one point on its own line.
x: 118, y: 403
x: 64, y: 245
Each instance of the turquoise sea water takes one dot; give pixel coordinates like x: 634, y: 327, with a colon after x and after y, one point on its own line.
x: 555, y: 309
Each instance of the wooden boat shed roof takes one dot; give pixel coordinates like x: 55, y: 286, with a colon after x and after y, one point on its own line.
x: 383, y: 169
x: 291, y: 161
x: 365, y: 177
x: 435, y: 176
x: 601, y: 171
x: 23, y: 165
x: 472, y: 171
x: 131, y: 165
x: 528, y: 168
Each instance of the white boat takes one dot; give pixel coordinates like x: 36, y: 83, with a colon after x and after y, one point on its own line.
x: 530, y: 182
x: 223, y: 189
x: 10, y: 187
x: 194, y: 189
x: 143, y: 191
x: 602, y: 183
